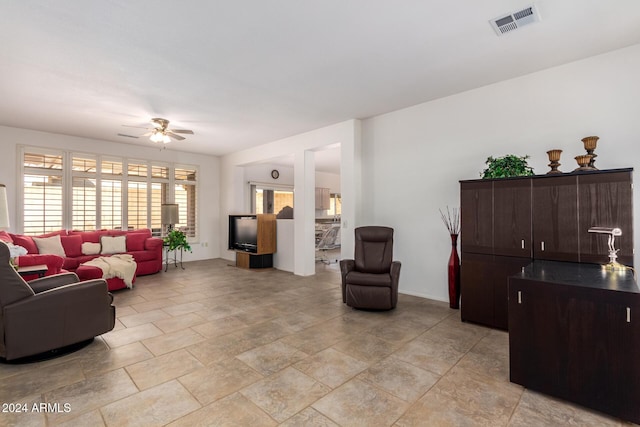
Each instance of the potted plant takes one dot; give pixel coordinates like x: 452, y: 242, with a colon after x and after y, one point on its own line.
x: 507, y: 166
x: 176, y: 239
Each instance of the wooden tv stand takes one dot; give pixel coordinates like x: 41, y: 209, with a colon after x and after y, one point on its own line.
x: 249, y: 260
x: 266, y: 245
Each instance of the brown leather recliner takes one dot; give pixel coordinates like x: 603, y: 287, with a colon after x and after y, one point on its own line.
x: 49, y: 313
x: 370, y: 281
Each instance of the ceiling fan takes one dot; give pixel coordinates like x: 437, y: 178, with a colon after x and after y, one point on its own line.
x: 160, y: 131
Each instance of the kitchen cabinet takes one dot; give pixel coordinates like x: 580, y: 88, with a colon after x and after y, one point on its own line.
x: 323, y: 198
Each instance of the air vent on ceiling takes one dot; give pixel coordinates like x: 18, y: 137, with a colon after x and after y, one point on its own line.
x: 515, y: 20
x: 127, y: 136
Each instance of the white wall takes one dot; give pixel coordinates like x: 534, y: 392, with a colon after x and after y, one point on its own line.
x: 235, y: 197
x: 262, y: 173
x: 413, y: 158
x: 208, y: 245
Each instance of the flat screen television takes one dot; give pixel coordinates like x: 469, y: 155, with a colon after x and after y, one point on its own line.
x: 243, y: 233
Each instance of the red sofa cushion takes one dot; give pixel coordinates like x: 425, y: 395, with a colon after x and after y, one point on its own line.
x: 54, y: 233
x: 89, y: 236
x: 70, y: 264
x: 72, y: 245
x: 135, y: 242
x: 5, y: 237
x: 26, y: 242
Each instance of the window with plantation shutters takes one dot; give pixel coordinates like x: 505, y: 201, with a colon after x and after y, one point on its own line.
x: 137, y: 195
x: 89, y: 191
x: 111, y: 194
x: 42, y: 192
x: 185, y: 198
x: 84, y: 206
x: 159, y: 196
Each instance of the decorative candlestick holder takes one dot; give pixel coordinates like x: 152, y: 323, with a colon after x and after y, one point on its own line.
x: 583, y: 163
x: 590, y: 143
x: 554, y: 157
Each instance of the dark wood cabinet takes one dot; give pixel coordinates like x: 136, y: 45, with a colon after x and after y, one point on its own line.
x: 574, y: 333
x: 476, y: 217
x: 605, y: 200
x: 476, y: 288
x: 514, y: 220
x: 484, y: 281
x: 512, y: 217
x: 503, y: 268
x: 555, y: 218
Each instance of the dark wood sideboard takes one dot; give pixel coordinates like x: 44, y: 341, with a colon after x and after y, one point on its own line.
x: 574, y: 333
x: 507, y: 223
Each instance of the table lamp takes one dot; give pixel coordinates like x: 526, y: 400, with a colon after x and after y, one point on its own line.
x: 611, y: 232
x: 169, y: 215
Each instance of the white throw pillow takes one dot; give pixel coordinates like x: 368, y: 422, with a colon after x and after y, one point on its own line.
x: 90, y: 248
x: 50, y: 245
x: 113, y: 245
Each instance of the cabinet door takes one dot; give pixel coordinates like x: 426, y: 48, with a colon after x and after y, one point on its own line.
x: 605, y: 200
x: 503, y: 268
x: 538, y: 335
x: 627, y: 367
x: 555, y: 218
x: 595, y: 348
x: 476, y: 288
x: 512, y: 217
x: 476, y: 217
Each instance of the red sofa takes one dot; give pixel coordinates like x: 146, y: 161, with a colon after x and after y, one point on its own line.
x: 146, y: 251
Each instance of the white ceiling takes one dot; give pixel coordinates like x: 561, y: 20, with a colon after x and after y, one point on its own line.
x: 246, y: 72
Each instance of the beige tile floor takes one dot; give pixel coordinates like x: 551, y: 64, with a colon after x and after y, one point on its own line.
x: 217, y: 345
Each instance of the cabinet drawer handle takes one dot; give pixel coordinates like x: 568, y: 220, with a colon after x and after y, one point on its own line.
x: 542, y: 246
x: 520, y: 298
x: 522, y: 243
x: 628, y: 314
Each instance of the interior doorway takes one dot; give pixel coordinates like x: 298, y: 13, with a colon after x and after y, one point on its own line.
x: 328, y: 206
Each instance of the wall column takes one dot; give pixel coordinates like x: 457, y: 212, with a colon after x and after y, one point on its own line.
x: 304, y: 205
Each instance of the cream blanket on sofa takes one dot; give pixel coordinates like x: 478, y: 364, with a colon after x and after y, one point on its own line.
x: 121, y: 266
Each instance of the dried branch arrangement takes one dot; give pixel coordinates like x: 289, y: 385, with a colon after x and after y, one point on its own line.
x: 451, y: 220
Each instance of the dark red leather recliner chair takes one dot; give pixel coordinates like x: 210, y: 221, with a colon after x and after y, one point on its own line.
x: 370, y: 280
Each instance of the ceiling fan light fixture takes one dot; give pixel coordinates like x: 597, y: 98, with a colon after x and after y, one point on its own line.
x: 161, y: 133
x: 156, y: 137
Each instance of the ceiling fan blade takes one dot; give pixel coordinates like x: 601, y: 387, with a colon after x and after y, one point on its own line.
x: 128, y: 136
x: 187, y: 131
x: 173, y: 135
x: 137, y: 127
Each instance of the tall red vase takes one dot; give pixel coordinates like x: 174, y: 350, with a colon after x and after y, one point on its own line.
x: 454, y: 274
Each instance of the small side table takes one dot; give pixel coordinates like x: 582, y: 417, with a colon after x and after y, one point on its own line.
x: 28, y: 270
x: 175, y: 257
